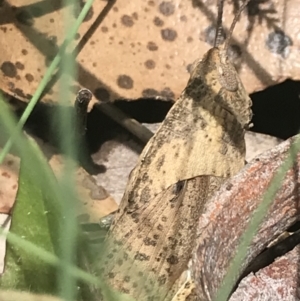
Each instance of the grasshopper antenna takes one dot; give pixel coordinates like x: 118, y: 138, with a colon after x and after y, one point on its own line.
x: 233, y: 24
x: 219, y: 27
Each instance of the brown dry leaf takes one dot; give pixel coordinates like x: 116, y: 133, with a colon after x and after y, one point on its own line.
x: 228, y: 213
x: 278, y: 281
x: 9, y: 175
x: 30, y: 35
x: 145, y: 48
x: 96, y: 201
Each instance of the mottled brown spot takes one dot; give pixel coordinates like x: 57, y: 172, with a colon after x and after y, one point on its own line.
x: 162, y: 280
x: 189, y: 39
x: 19, y: 92
x: 160, y: 227
x: 77, y: 36
x: 149, y: 64
x: 152, y: 46
x: 229, y: 186
x: 203, y: 124
x: 3, y: 28
x: 104, y: 29
x: 149, y: 93
x: 172, y: 259
x: 149, y: 242
x: 160, y: 162
x: 183, y: 18
x: 156, y: 236
x: 51, y: 20
x: 126, y: 279
x: 125, y: 291
x: 167, y: 93
x: 115, y: 9
x: 102, y: 94
x: 119, y: 262
x: 8, y: 69
x: 164, y: 218
x: 141, y: 256
x: 166, y: 8
x: 125, y: 82
x: 134, y: 215
x: 10, y: 162
x: 134, y: 285
x: 145, y: 195
x: 111, y: 275
x: 158, y: 22
x: 29, y: 77
x: 135, y: 16
x: 127, y: 21
x: 168, y: 34
x: 5, y: 174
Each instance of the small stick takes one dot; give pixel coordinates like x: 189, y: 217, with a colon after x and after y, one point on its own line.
x: 125, y: 121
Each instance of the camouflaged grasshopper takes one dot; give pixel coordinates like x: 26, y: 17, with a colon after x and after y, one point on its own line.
x: 198, y: 146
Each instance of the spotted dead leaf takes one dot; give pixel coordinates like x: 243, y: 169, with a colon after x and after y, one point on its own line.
x: 229, y: 211
x: 96, y: 202
x: 9, y: 174
x: 145, y: 48
x: 279, y: 281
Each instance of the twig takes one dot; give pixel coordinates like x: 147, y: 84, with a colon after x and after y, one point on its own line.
x: 125, y: 121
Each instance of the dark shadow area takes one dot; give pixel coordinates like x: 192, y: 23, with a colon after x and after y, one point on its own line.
x: 277, y: 109
x: 276, y: 112
x: 101, y: 128
x: 44, y: 124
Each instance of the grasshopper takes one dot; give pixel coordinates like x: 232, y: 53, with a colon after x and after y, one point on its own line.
x: 198, y: 146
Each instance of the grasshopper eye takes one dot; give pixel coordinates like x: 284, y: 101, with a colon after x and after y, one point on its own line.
x: 227, y: 77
